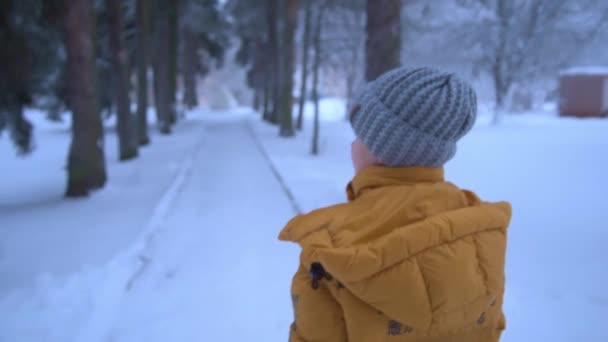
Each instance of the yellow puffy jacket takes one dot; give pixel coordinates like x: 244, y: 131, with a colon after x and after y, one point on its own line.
x: 410, y: 257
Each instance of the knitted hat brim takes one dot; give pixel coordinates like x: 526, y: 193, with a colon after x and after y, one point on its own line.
x: 400, y: 144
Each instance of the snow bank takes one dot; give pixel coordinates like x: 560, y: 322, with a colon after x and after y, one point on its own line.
x: 330, y: 109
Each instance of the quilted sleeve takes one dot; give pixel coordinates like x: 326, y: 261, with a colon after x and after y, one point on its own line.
x: 318, y: 316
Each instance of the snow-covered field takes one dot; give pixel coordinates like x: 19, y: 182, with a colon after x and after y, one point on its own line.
x: 181, y: 245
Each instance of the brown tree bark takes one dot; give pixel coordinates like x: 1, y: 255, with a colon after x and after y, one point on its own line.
x: 304, y: 79
x: 143, y: 42
x: 127, y: 134
x: 86, y: 164
x: 288, y: 53
x: 383, y: 44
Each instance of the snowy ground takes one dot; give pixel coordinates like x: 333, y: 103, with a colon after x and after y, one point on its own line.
x: 188, y: 253
x: 181, y: 245
x: 67, y: 236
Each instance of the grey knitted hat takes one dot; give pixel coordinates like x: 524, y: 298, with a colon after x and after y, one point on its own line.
x: 414, y: 116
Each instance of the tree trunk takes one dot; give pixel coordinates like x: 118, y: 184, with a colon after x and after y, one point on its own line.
x: 86, y: 164
x: 258, y: 73
x: 143, y: 29
x: 305, y: 47
x: 383, y: 44
x: 173, y: 45
x: 350, y: 85
x: 127, y: 134
x: 256, y: 99
x: 501, y: 91
x: 267, y: 95
x: 273, y: 60
x: 351, y: 78
x: 286, y: 105
x: 315, y: 79
x: 20, y: 128
x: 161, y: 68
x: 190, y: 57
x: 54, y: 114
x: 502, y: 83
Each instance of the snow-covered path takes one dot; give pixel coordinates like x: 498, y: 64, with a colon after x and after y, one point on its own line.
x: 216, y: 270
x: 206, y: 267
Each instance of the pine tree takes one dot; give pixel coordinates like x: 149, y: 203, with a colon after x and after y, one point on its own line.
x: 143, y: 43
x: 173, y: 11
x: 204, y: 39
x: 256, y: 28
x: 161, y: 67
x: 190, y: 65
x: 127, y: 133
x: 290, y: 13
x: 86, y: 164
x: 29, y: 63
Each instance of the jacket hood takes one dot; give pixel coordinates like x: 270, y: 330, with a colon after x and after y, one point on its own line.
x: 423, y: 240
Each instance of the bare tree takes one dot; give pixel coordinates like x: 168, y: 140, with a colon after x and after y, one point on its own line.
x: 127, y: 134
x: 383, y: 45
x: 86, y: 164
x: 517, y: 41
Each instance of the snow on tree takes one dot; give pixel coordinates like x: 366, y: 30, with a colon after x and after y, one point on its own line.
x: 516, y: 42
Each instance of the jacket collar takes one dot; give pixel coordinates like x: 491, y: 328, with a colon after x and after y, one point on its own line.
x: 380, y: 176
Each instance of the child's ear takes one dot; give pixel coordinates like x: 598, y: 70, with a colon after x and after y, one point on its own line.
x: 354, y: 111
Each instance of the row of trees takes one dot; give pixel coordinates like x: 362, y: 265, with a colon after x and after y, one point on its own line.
x: 517, y: 44
x: 81, y: 55
x: 267, y: 30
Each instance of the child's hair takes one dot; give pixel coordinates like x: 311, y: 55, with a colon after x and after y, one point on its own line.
x: 414, y: 116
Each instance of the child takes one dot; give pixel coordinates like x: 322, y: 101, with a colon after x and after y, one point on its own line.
x: 410, y: 257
